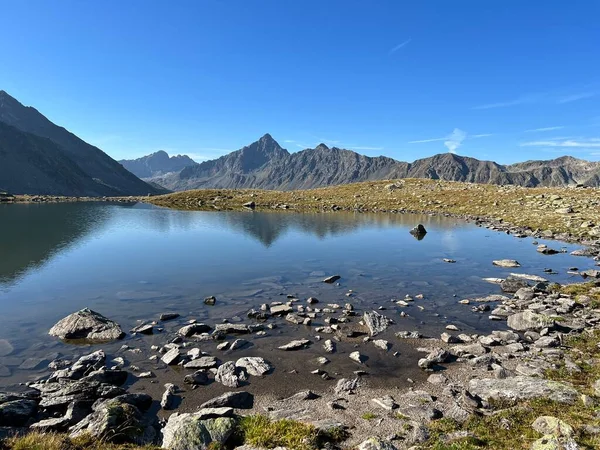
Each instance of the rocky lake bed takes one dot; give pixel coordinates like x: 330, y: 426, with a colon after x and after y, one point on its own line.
x: 361, y: 363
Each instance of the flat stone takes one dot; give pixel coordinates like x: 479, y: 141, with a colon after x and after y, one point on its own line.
x: 525, y: 276
x: 295, y: 345
x: 386, y: 402
x: 331, y: 279
x: 200, y: 377
x: 171, y: 357
x: 381, y: 344
x: 552, y: 425
x: 278, y: 310
x: 357, y: 357
x: 204, y: 362
x: 375, y: 443
x: 232, y: 328
x: 229, y: 375
x: 346, y: 386
x: 168, y: 316
x: 523, y: 388
x: 506, y: 263
x: 193, y: 328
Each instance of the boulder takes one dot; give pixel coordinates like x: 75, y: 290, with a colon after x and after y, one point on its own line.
x: 190, y: 431
x: 193, y: 328
x: 523, y: 388
x: 254, y: 365
x: 419, y: 230
x: 513, y: 284
x: 551, y: 425
x: 87, y: 325
x: 229, y: 375
x: 295, y: 345
x: 199, y: 377
x: 528, y: 320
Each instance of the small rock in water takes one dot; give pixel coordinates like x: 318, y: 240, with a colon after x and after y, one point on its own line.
x: 356, y: 356
x: 169, y: 398
x: 506, y: 263
x: 210, y: 300
x: 168, y: 316
x: 419, y: 230
x: 375, y: 322
x: 382, y: 344
x: 331, y: 279
x: 254, y: 365
x: 322, y: 360
x: 448, y: 260
x: 329, y: 346
x: 87, y: 325
x: 295, y: 345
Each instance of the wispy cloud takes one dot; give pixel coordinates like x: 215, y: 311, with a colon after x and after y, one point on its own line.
x: 452, y: 141
x: 289, y: 141
x: 565, y: 143
x: 422, y: 141
x: 477, y: 136
x: 399, y: 46
x: 536, y: 130
x: 575, y: 97
x: 524, y: 99
x: 455, y: 139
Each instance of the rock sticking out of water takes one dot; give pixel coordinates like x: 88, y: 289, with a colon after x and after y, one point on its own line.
x: 331, y: 279
x: 87, y: 325
x: 375, y: 322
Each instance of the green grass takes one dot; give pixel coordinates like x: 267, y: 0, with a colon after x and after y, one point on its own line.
x: 575, y: 290
x: 510, y: 428
x: 56, y: 441
x: 369, y: 416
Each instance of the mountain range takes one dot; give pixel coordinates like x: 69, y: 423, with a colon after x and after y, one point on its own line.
x: 39, y: 157
x: 157, y: 164
x: 264, y: 164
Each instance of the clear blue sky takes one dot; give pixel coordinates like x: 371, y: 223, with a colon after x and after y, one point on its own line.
x: 504, y: 80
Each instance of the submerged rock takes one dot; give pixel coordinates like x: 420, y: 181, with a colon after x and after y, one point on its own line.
x: 295, y: 345
x: 87, y: 325
x: 506, y: 263
x: 254, y: 365
x: 331, y: 279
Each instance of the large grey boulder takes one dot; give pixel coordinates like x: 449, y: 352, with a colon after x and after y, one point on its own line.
x: 523, y: 388
x: 87, y: 325
x: 375, y: 322
x: 238, y: 400
x: 114, y: 421
x: 190, y: 432
x: 528, y: 320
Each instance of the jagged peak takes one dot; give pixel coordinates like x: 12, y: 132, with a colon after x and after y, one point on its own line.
x: 322, y: 146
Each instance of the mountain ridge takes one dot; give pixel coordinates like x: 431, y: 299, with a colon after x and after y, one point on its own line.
x: 106, y: 177
x: 156, y: 164
x: 276, y: 168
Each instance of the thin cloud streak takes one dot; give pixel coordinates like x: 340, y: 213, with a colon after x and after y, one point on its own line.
x: 477, y: 136
x: 575, y: 97
x: 422, y: 141
x: 399, y: 46
x: 570, y: 143
x: 536, y: 130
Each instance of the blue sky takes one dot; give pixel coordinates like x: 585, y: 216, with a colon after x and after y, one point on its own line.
x: 503, y: 80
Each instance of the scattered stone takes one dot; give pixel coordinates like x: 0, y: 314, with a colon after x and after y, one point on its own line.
x: 254, y: 365
x: 553, y: 426
x: 419, y: 230
x: 199, y: 377
x: 87, y: 325
x: 193, y: 328
x: 331, y: 279
x: 204, y: 362
x: 528, y: 320
x: 357, y: 357
x: 506, y: 263
x: 210, y: 300
x: 196, y: 430
x: 512, y: 284
x: 295, y: 345
x: 346, y: 386
x: 168, y: 316
x: 237, y: 400
x: 375, y: 443
x: 408, y: 335
x: 277, y: 310
x: 448, y: 260
x: 375, y: 322
x: 171, y: 357
x: 229, y: 375
x: 437, y: 378
x: 386, y: 402
x: 144, y: 328
x: 329, y: 346
x: 381, y: 344
x: 169, y: 399
x: 232, y: 328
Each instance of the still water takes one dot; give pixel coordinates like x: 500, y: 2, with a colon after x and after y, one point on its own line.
x: 132, y: 262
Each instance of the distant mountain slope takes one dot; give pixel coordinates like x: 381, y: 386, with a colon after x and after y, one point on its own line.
x: 110, y: 177
x: 157, y: 164
x: 266, y: 165
x: 31, y: 164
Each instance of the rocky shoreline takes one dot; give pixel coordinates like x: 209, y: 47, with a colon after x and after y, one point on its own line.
x: 468, y: 377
